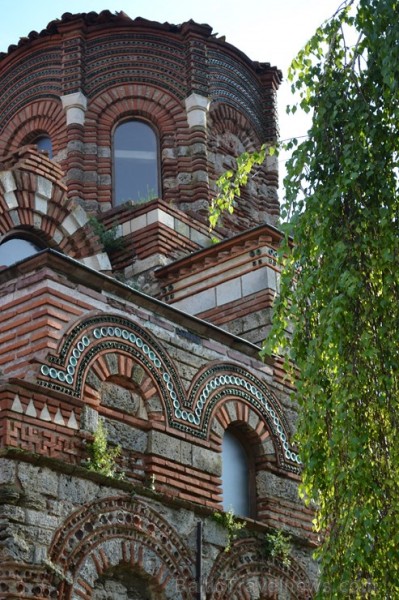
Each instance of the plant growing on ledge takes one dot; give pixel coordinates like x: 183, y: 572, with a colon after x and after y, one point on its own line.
x: 108, y: 237
x: 102, y: 458
x: 278, y: 545
x: 229, y: 521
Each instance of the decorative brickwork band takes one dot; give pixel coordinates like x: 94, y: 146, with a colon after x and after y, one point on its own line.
x: 25, y: 581
x: 189, y: 413
x: 118, y: 531
x: 247, y: 572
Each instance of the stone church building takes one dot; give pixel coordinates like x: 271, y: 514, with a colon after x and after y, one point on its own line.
x: 119, y: 308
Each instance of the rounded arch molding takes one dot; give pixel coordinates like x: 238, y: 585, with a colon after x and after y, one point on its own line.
x: 40, y: 116
x: 246, y: 571
x: 93, y: 339
x: 191, y: 413
x: 118, y: 531
x: 31, y: 202
x: 226, y: 119
x: 224, y: 383
x: 158, y: 107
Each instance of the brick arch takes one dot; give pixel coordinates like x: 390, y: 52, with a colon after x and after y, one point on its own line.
x: 231, y: 134
x: 40, y: 116
x: 157, y: 106
x: 100, y: 346
x: 223, y: 393
x: 119, y: 366
x: 224, y: 118
x: 33, y: 198
x: 118, y: 531
x: 246, y: 572
x: 239, y: 416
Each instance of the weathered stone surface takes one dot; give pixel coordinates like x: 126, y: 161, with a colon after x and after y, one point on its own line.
x: 127, y: 436
x: 8, y: 470
x: 269, y: 484
x: 76, y: 490
x: 37, y: 479
x: 10, y: 494
x: 121, y: 398
x: 89, y: 420
x: 207, y: 460
x: 166, y: 446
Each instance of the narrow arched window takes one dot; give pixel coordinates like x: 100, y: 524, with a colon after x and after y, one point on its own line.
x: 236, y: 476
x: 44, y: 144
x: 17, y: 248
x: 136, y: 167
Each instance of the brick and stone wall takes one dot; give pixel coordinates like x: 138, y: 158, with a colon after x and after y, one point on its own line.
x: 165, y: 373
x: 166, y: 387
x: 84, y: 74
x: 232, y: 284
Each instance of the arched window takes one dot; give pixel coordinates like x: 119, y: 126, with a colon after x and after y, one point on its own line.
x: 44, y: 144
x: 237, y: 476
x: 136, y: 167
x: 16, y: 248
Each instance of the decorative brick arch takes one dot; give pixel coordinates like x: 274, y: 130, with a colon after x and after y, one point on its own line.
x: 102, y: 346
x: 118, y: 531
x: 157, y: 106
x: 108, y: 364
x: 231, y: 134
x: 41, y: 116
x: 232, y: 412
x: 247, y: 572
x: 226, y: 119
x: 33, y: 198
x: 225, y: 393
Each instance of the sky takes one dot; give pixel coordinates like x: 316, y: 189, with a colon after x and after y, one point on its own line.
x: 266, y: 30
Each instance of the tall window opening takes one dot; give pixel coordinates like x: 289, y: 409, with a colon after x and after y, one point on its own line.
x: 237, y: 476
x: 136, y: 168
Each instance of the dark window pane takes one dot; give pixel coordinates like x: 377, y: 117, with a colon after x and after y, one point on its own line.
x: 16, y: 249
x: 235, y: 476
x: 135, y: 163
x: 44, y: 143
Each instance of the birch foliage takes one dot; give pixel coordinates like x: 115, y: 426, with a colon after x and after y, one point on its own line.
x: 340, y: 294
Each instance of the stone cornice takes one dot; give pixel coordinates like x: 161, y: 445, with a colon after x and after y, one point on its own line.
x: 244, y: 241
